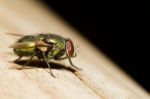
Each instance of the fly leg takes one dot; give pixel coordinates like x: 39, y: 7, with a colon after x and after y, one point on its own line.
x: 45, y: 59
x: 63, y: 58
x: 70, y: 61
x: 27, y: 62
x: 17, y: 59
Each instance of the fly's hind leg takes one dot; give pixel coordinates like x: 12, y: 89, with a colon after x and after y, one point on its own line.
x: 17, y: 59
x: 27, y: 62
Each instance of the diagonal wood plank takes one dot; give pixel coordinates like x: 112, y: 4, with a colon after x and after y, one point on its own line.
x: 99, y: 79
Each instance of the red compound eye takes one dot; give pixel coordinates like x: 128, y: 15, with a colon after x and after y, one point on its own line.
x: 69, y: 47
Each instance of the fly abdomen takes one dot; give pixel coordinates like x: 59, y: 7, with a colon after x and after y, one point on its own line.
x: 24, y: 51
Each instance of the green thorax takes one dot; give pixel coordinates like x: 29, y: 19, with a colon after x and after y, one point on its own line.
x: 59, y: 48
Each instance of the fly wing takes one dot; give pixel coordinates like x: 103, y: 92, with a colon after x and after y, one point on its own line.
x: 23, y: 45
x: 21, y: 34
x: 15, y: 34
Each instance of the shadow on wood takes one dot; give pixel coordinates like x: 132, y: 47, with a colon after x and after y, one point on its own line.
x: 42, y: 64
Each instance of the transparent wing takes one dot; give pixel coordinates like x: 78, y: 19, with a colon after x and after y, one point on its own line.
x: 23, y: 45
x: 21, y: 34
x: 15, y: 34
x: 30, y: 44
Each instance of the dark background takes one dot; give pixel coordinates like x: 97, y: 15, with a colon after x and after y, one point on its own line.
x: 116, y: 28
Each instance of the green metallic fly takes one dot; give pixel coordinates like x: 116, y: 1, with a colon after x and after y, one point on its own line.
x: 45, y: 47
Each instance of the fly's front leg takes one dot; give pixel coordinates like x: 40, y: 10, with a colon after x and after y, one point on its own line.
x: 70, y: 61
x: 63, y: 58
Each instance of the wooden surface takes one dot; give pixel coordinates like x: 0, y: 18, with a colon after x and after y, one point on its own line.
x: 99, y: 79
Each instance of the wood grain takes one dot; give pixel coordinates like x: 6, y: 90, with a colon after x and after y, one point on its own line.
x: 99, y: 79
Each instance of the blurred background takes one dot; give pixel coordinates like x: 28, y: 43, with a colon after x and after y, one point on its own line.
x: 116, y: 28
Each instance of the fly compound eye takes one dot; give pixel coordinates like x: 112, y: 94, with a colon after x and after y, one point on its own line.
x: 69, y: 47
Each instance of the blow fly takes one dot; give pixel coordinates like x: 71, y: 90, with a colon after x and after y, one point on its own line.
x: 46, y: 47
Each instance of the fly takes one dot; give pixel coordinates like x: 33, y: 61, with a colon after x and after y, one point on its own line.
x: 46, y: 47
